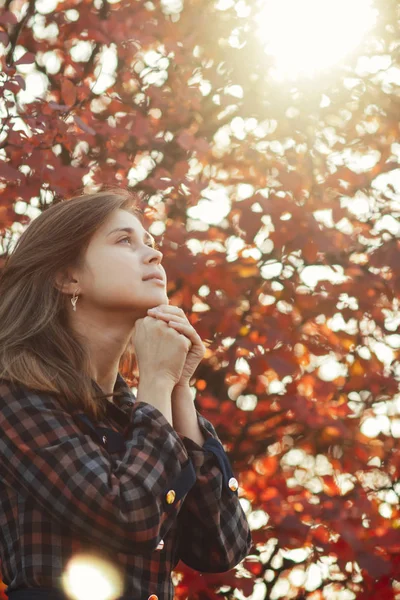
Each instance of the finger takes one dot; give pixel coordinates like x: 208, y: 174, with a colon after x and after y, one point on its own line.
x: 166, y: 309
x: 187, y: 330
x: 179, y: 329
x: 167, y: 317
x: 182, y: 326
x: 191, y: 334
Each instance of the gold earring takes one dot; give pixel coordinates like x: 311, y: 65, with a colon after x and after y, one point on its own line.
x: 74, y: 300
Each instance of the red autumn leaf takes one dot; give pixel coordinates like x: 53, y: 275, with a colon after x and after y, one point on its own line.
x: 186, y: 140
x: 68, y: 92
x: 21, y: 81
x: 8, y: 172
x: 9, y: 18
x: 330, y: 486
x: 25, y: 59
x: 375, y: 566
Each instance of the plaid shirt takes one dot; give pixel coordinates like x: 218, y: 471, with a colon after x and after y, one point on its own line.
x: 128, y: 487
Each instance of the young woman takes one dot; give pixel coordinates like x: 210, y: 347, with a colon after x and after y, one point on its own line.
x: 86, y: 468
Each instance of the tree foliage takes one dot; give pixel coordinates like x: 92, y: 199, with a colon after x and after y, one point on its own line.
x: 291, y: 270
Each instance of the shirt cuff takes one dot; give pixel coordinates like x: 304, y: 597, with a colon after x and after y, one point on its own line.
x: 211, y: 452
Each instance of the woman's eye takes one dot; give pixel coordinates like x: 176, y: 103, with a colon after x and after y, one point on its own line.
x: 155, y: 246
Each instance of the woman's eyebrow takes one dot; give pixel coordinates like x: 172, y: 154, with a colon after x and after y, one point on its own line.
x: 131, y: 230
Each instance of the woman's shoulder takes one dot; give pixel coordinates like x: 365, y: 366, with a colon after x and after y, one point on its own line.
x: 28, y: 400
x: 12, y: 391
x: 10, y: 387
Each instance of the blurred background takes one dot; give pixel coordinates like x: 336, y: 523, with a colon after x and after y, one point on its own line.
x: 263, y: 139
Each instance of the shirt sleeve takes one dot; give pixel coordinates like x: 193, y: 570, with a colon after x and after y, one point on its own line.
x: 214, y: 533
x: 127, y: 505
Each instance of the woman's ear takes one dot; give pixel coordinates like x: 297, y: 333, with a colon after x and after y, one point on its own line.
x: 66, y: 283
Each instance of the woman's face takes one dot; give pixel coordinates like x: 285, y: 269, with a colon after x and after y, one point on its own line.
x: 116, y: 264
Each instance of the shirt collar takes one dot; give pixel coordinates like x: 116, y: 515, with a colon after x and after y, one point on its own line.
x: 124, y: 402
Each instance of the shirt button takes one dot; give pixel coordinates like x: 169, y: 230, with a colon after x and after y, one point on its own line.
x: 233, y: 484
x: 153, y: 597
x: 170, y: 497
x: 160, y: 545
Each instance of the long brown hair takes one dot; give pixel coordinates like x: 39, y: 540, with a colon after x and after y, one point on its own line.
x: 37, y: 347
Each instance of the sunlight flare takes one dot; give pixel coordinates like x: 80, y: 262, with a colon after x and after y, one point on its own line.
x: 307, y: 36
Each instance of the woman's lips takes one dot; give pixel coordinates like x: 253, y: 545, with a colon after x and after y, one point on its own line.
x: 155, y: 280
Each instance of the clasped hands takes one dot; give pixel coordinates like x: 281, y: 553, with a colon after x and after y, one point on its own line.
x: 176, y: 318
